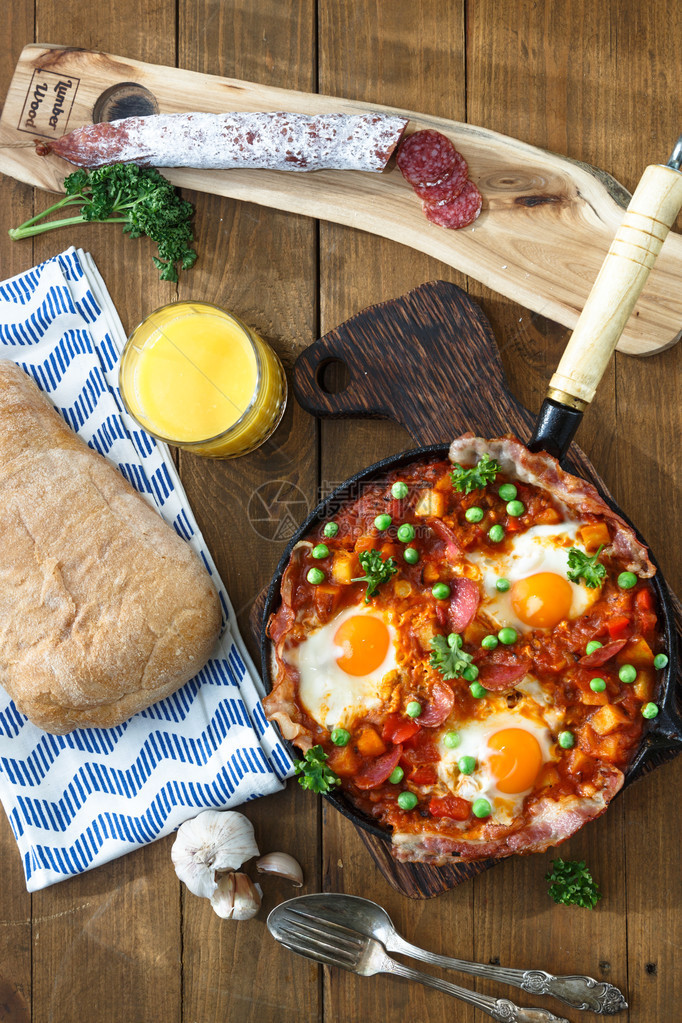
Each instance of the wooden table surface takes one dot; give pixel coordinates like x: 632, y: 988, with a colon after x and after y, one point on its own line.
x: 595, y: 81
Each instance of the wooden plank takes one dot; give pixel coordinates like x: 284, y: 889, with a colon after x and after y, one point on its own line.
x: 110, y: 939
x: 261, y: 264
x: 15, y: 902
x: 545, y: 228
x: 357, y: 270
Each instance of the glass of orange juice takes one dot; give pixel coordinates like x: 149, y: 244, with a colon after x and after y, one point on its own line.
x: 193, y: 375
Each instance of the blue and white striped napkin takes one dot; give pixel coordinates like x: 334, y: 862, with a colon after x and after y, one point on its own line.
x: 79, y: 800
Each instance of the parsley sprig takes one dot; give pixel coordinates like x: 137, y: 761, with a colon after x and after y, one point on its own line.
x: 484, y: 472
x: 139, y: 198
x: 313, y: 773
x: 572, y: 884
x: 448, y: 657
x: 585, y: 566
x: 377, y: 571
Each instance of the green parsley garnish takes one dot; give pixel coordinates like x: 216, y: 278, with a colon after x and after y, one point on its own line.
x: 484, y: 472
x: 448, y: 657
x: 377, y: 571
x: 571, y: 883
x: 313, y: 771
x: 585, y: 566
x: 139, y: 198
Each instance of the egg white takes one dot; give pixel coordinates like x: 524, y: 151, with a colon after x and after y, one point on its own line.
x: 330, y: 695
x: 474, y: 736
x: 542, y: 548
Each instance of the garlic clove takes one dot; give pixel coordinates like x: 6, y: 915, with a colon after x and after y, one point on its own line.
x: 236, y: 897
x: 281, y: 865
x: 214, y: 840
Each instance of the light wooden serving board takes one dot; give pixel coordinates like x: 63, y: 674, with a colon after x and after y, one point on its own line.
x: 546, y: 224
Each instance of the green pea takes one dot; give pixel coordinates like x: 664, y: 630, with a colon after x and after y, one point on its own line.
x: 315, y: 576
x: 660, y: 661
x: 330, y: 529
x: 340, y: 737
x: 507, y: 636
x: 489, y: 642
x: 411, y: 555
x: 413, y: 709
x: 396, y: 775
x: 406, y: 532
x: 466, y: 765
x: 507, y: 491
x: 626, y: 580
x: 502, y: 585
x: 566, y: 740
x: 593, y: 645
x: 649, y: 710
x: 597, y: 685
x: 400, y: 490
x: 441, y: 591
x: 382, y: 522
x: 516, y: 508
x: 470, y: 673
x: 474, y: 514
x: 481, y: 808
x: 321, y: 551
x: 496, y: 533
x: 627, y: 673
x: 452, y: 740
x: 477, y: 690
x: 407, y: 800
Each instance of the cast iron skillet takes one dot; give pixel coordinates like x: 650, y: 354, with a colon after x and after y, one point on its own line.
x: 657, y: 200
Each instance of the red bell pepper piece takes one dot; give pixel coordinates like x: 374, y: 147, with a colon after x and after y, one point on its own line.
x: 398, y: 729
x: 450, y: 806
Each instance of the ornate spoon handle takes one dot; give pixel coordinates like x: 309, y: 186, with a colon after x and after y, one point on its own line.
x: 501, y: 1009
x: 580, y: 992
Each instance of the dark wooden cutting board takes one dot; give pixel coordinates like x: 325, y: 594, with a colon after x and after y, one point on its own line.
x: 441, y: 376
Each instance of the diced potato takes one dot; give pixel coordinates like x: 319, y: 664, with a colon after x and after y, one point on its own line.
x: 591, y: 699
x: 344, y: 567
x: 549, y: 776
x: 610, y: 747
x: 402, y: 588
x: 344, y: 761
x: 607, y: 719
x: 444, y: 484
x: 644, y: 684
x: 547, y: 517
x: 431, y: 573
x: 369, y: 743
x: 594, y: 534
x: 636, y: 652
x: 432, y: 503
x: 578, y: 761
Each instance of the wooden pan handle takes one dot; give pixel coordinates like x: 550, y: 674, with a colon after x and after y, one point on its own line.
x: 650, y: 215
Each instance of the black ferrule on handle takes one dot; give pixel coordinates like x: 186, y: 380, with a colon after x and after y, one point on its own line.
x: 555, y: 428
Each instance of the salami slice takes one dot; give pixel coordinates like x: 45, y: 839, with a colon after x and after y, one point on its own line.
x: 426, y: 158
x: 440, y: 702
x: 256, y: 141
x: 378, y: 771
x: 460, y: 212
x: 450, y: 187
x: 464, y: 603
x: 500, y: 670
x: 603, y: 654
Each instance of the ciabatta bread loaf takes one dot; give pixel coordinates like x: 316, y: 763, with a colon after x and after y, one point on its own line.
x: 103, y: 608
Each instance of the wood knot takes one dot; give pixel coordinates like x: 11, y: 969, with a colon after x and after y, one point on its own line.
x: 539, y: 200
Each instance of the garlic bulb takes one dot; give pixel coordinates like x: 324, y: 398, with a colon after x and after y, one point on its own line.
x: 236, y: 897
x: 215, y: 840
x: 281, y: 865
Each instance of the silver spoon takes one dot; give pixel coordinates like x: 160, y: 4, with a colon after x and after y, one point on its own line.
x: 336, y: 912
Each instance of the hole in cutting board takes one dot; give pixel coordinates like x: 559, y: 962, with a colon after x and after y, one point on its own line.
x: 126, y: 99
x: 333, y: 376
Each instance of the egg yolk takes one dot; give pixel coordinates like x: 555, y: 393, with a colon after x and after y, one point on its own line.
x: 542, y: 600
x: 516, y: 760
x: 364, y: 640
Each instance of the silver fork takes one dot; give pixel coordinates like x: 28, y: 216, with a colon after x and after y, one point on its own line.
x: 366, y: 956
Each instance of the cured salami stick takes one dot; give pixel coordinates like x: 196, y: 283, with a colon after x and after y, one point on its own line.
x: 257, y: 141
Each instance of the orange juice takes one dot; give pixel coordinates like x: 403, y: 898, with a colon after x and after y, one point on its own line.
x: 194, y: 375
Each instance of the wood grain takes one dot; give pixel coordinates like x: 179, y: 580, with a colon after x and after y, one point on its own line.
x: 546, y: 225
x: 247, y: 267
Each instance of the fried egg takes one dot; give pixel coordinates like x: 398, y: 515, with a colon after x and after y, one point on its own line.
x: 509, y: 747
x: 540, y: 595
x: 343, y: 666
